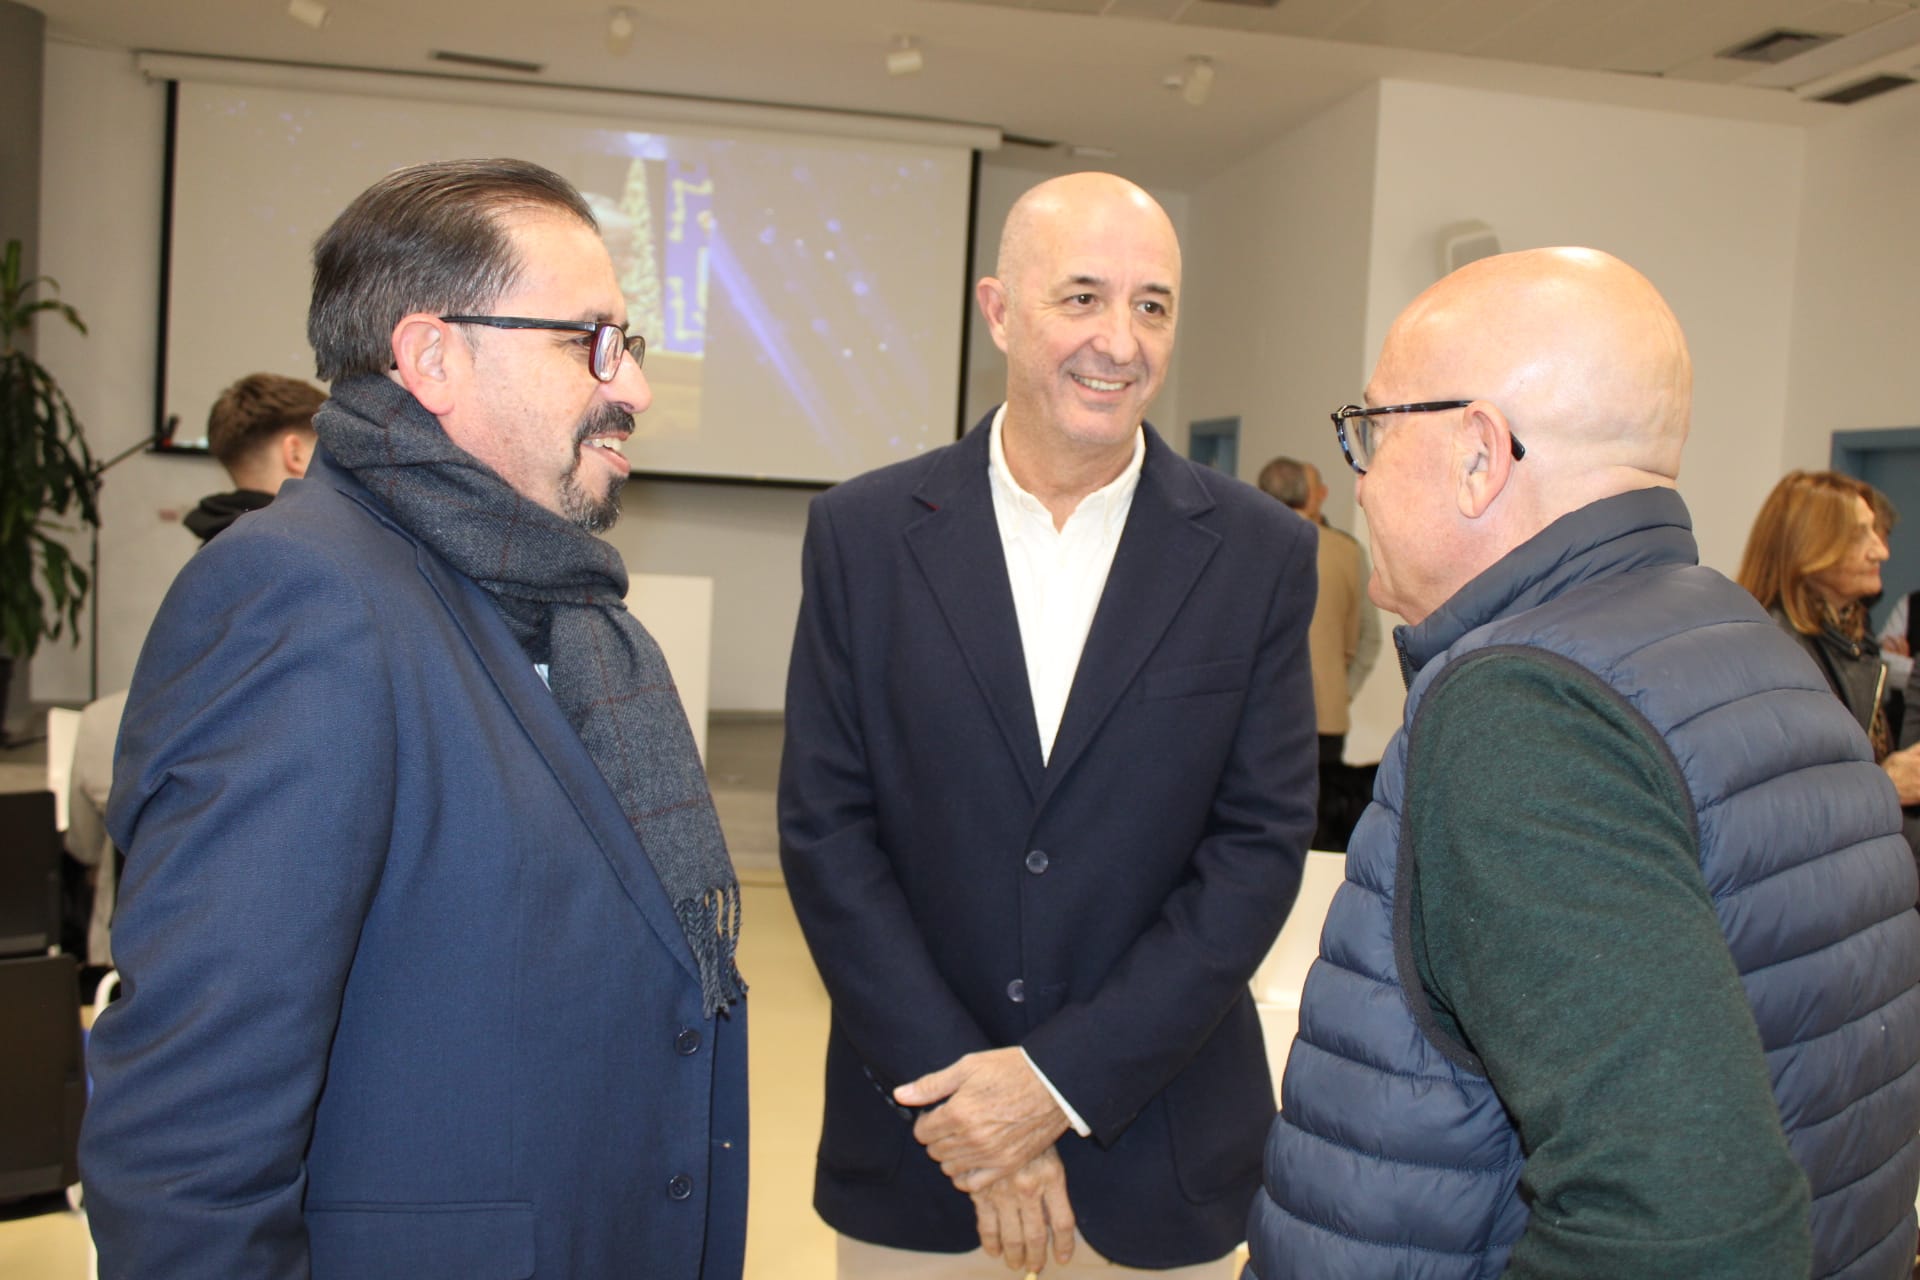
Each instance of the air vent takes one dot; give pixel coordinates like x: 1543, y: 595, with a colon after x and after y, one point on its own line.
x: 491, y: 64
x: 1776, y: 46
x: 1871, y: 87
x: 1247, y: 4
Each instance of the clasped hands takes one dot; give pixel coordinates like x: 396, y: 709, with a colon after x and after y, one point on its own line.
x: 992, y: 1134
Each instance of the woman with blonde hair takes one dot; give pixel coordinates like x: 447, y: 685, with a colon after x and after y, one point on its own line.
x: 1813, y: 561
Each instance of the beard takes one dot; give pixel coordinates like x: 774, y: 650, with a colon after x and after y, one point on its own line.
x: 593, y: 514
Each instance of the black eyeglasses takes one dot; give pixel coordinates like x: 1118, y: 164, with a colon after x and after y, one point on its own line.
x: 1360, y: 444
x: 610, y: 341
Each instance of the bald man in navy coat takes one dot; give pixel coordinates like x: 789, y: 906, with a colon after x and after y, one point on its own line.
x: 1048, y: 784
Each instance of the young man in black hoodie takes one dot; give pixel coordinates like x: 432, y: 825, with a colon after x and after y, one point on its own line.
x: 261, y: 430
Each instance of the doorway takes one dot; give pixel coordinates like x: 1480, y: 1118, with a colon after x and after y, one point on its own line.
x: 1215, y: 442
x: 1889, y: 460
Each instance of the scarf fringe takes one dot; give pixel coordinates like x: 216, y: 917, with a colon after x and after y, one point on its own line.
x: 711, y: 923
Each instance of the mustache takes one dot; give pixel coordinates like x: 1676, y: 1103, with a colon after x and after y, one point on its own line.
x: 604, y: 420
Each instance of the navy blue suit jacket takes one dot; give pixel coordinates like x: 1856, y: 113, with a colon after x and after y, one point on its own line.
x: 403, y: 996
x: 1106, y: 909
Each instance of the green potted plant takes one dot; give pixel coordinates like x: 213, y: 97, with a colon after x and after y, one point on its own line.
x: 46, y: 470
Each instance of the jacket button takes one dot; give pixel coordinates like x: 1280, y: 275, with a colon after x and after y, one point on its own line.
x: 1037, y: 861
x: 679, y: 1187
x: 687, y: 1043
x: 1017, y: 991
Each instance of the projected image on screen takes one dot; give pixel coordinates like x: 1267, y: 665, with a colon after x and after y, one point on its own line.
x: 656, y: 217
x: 802, y: 297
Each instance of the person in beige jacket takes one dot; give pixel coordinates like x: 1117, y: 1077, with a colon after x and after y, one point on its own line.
x: 1336, y: 641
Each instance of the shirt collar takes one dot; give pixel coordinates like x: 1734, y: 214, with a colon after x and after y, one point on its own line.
x: 1109, y: 503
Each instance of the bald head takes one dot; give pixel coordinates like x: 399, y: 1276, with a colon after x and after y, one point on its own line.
x: 1083, y: 303
x: 1575, y: 347
x: 1063, y: 210
x: 1568, y: 356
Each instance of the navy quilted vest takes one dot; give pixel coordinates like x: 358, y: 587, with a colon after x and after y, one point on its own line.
x: 1389, y: 1159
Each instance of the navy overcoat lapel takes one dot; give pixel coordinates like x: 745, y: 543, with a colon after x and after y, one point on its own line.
x: 512, y: 673
x: 956, y: 544
x: 1161, y: 554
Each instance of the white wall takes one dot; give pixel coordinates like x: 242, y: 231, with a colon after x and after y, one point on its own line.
x: 1276, y: 307
x: 748, y: 541
x: 1856, y: 306
x: 1709, y: 209
x: 102, y: 149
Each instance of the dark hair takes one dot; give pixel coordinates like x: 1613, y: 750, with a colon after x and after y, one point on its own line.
x: 424, y: 238
x: 1285, y: 479
x: 257, y: 407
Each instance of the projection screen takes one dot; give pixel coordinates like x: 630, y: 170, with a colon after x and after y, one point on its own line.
x: 803, y: 294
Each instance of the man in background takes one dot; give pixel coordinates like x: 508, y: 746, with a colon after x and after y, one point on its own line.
x: 1622, y: 981
x: 1343, y: 623
x: 1046, y: 793
x: 427, y: 927
x: 261, y: 430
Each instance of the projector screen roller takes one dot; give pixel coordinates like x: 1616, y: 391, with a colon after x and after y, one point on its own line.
x: 802, y: 296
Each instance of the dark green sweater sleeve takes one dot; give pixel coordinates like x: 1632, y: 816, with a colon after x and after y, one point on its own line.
x: 1563, y: 931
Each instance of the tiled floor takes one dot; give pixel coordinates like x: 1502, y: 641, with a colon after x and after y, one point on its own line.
x: 785, y: 1241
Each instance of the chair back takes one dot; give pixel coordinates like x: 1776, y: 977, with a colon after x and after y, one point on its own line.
x: 43, y: 1090
x: 29, y: 874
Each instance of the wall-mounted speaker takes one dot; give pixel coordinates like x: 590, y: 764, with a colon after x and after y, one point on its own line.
x: 1465, y: 242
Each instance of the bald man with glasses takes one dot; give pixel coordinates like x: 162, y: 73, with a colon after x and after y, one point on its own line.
x: 1622, y: 979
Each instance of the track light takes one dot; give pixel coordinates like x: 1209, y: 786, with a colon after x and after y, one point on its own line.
x: 904, y: 57
x: 620, y: 29
x: 308, y: 13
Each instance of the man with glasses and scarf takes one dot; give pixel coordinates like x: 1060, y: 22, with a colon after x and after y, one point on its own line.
x: 427, y: 928
x: 1622, y: 979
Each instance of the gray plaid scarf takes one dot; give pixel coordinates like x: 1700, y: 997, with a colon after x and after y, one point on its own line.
x: 561, y: 591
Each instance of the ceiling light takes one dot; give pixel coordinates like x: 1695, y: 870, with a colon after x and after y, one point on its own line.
x: 308, y: 13
x: 904, y: 57
x: 620, y: 28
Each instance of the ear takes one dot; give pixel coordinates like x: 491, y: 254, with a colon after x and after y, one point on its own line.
x: 428, y: 362
x: 1483, y: 458
x: 994, y: 299
x: 296, y: 448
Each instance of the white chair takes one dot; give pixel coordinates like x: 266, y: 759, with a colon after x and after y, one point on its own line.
x: 63, y: 732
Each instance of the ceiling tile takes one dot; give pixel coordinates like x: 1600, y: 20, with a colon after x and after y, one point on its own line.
x: 1702, y: 29
x: 1152, y: 10
x: 1709, y: 70
x: 1388, y: 22
x: 1563, y: 32
x: 1844, y: 17
x: 1464, y: 26
x: 1232, y: 17
x: 1317, y: 18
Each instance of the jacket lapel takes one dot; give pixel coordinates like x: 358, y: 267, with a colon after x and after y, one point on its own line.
x: 957, y: 547
x: 512, y: 673
x: 1161, y: 554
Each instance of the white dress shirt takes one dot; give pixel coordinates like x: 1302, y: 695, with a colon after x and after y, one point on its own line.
x: 1057, y: 575
x: 1057, y: 578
